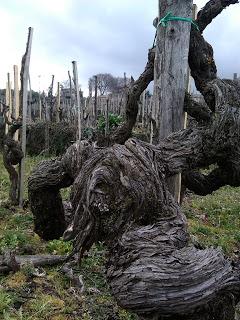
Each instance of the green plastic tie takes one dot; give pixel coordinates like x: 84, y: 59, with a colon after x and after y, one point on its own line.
x: 170, y: 17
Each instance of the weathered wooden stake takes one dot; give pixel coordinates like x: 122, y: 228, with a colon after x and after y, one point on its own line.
x: 188, y: 81
x: 171, y: 65
x: 47, y: 120
x: 188, y: 88
x: 143, y: 107
x: 125, y: 80
x: 9, y: 95
x: 107, y: 118
x: 7, y: 103
x: 58, y: 103
x: 50, y: 99
x: 16, y: 99
x: 95, y: 102
x: 30, y: 100
x: 40, y: 105
x: 70, y: 87
x: 39, y: 99
x: 75, y: 79
x: 24, y: 99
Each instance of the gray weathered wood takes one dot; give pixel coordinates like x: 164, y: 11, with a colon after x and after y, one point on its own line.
x: 16, y: 98
x: 16, y: 93
x: 70, y: 87
x: 36, y: 261
x: 107, y: 118
x: 95, y: 101
x: 24, y: 98
x: 8, y: 101
x: 75, y: 77
x: 30, y: 101
x: 58, y: 103
x: 171, y: 65
x: 10, y: 95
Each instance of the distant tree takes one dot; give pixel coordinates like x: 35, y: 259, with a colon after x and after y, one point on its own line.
x: 107, y: 83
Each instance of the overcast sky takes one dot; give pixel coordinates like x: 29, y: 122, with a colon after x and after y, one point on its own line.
x: 110, y: 36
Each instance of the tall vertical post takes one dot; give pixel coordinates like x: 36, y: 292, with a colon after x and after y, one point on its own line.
x: 16, y: 98
x: 9, y: 95
x: 143, y: 107
x: 30, y: 100
x: 75, y: 79
x: 50, y: 100
x: 47, y: 120
x: 95, y: 100
x: 58, y: 103
x: 8, y: 98
x: 171, y: 67
x: 188, y: 80
x: 107, y: 118
x: 178, y: 184
x: 39, y: 99
x: 40, y: 105
x: 70, y: 87
x: 7, y: 103
x: 24, y: 100
x: 125, y: 80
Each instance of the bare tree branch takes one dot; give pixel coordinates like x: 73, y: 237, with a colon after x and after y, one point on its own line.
x: 124, y: 131
x: 211, y: 10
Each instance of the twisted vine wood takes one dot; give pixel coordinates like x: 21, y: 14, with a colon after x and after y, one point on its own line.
x: 120, y: 196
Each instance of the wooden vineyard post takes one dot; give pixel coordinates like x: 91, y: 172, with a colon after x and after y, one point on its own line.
x: 143, y: 107
x: 16, y: 98
x: 125, y: 80
x: 95, y: 102
x: 107, y: 118
x: 51, y: 100
x: 8, y: 95
x: 70, y: 87
x: 58, y: 103
x: 188, y: 88
x: 40, y: 106
x: 170, y: 72
x: 39, y: 99
x: 75, y: 79
x: 46, y: 133
x: 30, y: 101
x: 7, y: 104
x: 188, y: 82
x: 24, y: 99
x: 151, y: 117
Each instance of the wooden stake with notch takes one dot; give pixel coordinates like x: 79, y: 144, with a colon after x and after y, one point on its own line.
x: 24, y: 100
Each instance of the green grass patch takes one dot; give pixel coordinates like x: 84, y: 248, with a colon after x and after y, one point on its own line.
x: 213, y: 220
x: 59, y: 247
x: 5, y: 301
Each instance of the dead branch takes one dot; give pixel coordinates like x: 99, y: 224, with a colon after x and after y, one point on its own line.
x: 35, y: 260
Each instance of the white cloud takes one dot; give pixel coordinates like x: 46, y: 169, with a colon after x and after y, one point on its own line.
x: 102, y: 35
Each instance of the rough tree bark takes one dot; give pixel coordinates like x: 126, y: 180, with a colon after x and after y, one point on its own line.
x: 120, y: 196
x: 12, y: 155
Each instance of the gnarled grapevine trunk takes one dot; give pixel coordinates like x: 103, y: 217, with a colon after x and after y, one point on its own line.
x: 120, y: 196
x: 12, y: 155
